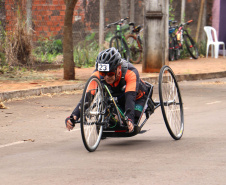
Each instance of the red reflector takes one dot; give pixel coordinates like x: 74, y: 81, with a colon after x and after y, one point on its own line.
x: 121, y: 131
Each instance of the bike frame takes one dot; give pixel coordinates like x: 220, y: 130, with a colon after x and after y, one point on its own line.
x: 138, y: 37
x: 122, y: 116
x: 120, y: 33
x: 180, y: 33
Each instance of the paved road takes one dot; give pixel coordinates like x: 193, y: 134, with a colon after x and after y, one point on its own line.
x: 35, y: 148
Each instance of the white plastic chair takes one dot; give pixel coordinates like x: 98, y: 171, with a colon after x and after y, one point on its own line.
x: 212, y: 40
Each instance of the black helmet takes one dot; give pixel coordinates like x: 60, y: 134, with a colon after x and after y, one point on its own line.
x: 108, y: 60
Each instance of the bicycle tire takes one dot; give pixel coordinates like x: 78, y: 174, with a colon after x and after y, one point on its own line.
x: 92, y: 105
x: 135, y: 48
x: 191, y: 46
x: 119, y: 43
x: 171, y: 102
x: 171, y: 49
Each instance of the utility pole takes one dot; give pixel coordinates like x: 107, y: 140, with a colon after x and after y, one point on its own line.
x: 101, y: 25
x: 156, y: 15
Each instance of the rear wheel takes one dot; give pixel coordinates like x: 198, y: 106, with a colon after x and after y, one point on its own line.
x: 119, y: 43
x: 134, y: 48
x: 92, y: 107
x: 191, y: 46
x: 171, y: 102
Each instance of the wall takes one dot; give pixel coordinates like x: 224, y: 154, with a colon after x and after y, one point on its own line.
x: 48, y: 16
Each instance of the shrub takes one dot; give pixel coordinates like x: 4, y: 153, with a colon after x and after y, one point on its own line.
x: 17, y: 45
x: 47, y: 49
x: 85, y: 53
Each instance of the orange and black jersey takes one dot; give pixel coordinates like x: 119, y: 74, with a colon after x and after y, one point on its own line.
x: 128, y: 88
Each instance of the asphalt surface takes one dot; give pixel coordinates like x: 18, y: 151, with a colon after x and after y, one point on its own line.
x: 35, y: 147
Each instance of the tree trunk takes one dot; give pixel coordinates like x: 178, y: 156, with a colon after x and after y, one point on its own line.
x: 182, y: 11
x: 69, y: 71
x: 29, y: 15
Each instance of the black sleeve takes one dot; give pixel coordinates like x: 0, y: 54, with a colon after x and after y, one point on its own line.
x: 76, y: 111
x: 130, y: 98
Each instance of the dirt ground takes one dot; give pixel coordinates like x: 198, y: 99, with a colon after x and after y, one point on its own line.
x: 36, y: 79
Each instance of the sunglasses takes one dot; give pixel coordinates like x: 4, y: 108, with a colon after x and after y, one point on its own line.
x: 110, y: 74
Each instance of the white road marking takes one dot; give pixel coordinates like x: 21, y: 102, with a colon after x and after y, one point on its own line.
x: 11, y: 144
x: 210, y: 103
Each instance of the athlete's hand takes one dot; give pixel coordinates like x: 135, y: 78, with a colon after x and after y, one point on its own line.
x: 69, y: 124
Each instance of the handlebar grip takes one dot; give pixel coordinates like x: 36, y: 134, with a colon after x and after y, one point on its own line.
x: 72, y: 120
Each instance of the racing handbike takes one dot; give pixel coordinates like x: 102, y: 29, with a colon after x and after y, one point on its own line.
x: 100, y: 115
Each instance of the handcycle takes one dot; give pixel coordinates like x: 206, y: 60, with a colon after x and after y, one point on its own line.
x: 181, y: 36
x: 98, y: 104
x: 118, y: 40
x: 134, y: 43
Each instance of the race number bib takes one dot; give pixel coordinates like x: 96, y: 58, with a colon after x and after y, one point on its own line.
x: 103, y: 67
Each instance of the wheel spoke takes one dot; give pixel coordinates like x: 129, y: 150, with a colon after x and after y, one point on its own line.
x: 91, y: 109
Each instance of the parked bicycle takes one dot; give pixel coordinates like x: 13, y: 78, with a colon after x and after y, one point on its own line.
x: 181, y: 36
x: 172, y: 40
x: 134, y: 43
x: 118, y: 41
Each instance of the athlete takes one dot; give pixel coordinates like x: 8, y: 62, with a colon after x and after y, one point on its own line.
x: 123, y: 80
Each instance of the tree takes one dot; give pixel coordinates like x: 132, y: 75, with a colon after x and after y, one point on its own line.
x: 69, y: 71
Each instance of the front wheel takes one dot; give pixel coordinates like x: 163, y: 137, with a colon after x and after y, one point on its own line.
x: 171, y: 102
x: 92, y: 106
x: 119, y: 43
x: 134, y: 48
x: 191, y: 46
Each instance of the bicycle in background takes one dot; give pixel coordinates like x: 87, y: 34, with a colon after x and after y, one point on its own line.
x: 118, y: 41
x: 134, y: 43
x: 181, y: 36
x: 172, y: 40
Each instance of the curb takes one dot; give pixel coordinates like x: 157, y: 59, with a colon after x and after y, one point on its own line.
x: 39, y: 91
x: 57, y: 89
